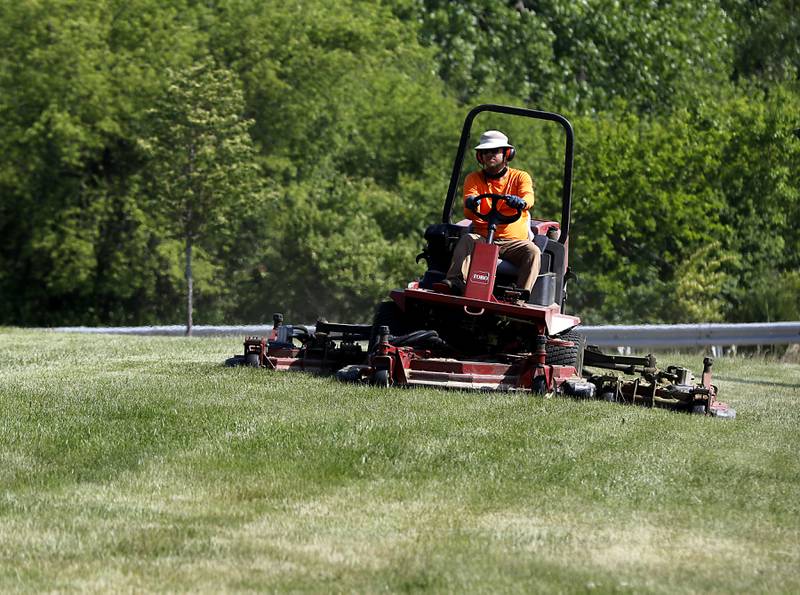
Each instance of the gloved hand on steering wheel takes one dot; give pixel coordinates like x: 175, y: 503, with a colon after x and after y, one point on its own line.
x: 471, y: 202
x: 516, y: 202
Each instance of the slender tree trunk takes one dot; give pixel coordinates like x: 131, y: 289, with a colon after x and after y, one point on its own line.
x: 189, y: 214
x: 189, y: 286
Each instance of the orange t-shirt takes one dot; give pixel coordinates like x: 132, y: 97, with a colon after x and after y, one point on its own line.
x: 514, y: 181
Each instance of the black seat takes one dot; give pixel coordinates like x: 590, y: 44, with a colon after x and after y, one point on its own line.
x: 508, y: 269
x: 552, y: 263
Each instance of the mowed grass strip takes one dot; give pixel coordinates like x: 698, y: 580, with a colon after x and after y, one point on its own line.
x: 141, y: 463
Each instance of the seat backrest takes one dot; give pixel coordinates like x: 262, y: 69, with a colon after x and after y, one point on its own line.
x: 506, y: 268
x: 552, y: 262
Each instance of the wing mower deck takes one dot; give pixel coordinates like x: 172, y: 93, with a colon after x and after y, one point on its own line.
x: 423, y: 358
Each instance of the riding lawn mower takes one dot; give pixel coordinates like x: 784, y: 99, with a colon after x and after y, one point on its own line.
x: 493, y: 336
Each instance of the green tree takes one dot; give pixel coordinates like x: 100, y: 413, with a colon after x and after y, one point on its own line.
x: 343, y: 89
x: 355, y: 108
x: 655, y: 56
x: 578, y: 56
x: 760, y: 177
x: 202, y: 161
x: 643, y: 210
x: 767, y: 39
x: 486, y: 48
x: 76, y: 79
x: 355, y: 134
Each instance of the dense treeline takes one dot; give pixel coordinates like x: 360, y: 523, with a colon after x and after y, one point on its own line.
x: 293, y: 152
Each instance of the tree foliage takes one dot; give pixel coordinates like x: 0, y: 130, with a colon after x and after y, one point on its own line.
x: 324, y: 134
x: 767, y: 45
x: 580, y: 56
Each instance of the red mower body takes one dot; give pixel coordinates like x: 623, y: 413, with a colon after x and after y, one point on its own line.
x: 492, y: 336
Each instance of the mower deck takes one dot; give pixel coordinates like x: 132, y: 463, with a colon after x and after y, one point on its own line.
x: 335, y: 349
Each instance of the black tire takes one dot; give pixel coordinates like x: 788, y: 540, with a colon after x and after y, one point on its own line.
x: 539, y: 385
x: 252, y: 360
x: 611, y: 397
x: 381, y: 379
x: 350, y: 374
x: 236, y: 360
x: 387, y: 314
x: 558, y: 355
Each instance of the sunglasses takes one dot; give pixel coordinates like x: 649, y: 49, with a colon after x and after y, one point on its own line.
x: 490, y: 151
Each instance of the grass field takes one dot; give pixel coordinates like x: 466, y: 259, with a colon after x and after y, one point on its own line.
x: 132, y: 463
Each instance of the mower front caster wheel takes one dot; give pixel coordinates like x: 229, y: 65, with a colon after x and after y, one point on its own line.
x: 381, y: 379
x: 539, y: 385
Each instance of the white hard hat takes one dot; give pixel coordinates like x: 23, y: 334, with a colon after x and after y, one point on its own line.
x: 493, y: 139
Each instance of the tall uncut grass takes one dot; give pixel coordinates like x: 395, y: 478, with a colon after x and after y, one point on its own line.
x: 132, y: 463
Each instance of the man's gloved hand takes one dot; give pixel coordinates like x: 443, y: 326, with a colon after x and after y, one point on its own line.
x: 516, y: 202
x: 471, y: 202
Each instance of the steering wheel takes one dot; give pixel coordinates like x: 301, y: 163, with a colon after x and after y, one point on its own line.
x: 494, y: 216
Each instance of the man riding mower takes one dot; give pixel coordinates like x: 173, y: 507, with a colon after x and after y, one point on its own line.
x: 513, y: 239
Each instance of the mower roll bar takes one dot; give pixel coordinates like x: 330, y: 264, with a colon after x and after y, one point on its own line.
x: 566, y: 197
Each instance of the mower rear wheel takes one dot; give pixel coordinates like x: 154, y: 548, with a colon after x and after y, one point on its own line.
x: 558, y: 355
x: 252, y: 360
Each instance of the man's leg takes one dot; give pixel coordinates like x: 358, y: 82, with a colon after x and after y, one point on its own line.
x: 462, y: 255
x: 526, y: 256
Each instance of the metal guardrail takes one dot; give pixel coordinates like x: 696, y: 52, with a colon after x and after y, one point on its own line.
x: 654, y: 335
x: 693, y: 335
x: 177, y: 330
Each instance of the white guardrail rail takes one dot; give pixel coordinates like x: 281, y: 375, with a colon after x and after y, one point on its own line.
x: 693, y: 335
x: 648, y: 335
